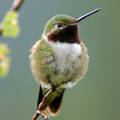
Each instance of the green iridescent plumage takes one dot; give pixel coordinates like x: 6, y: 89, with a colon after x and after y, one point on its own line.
x: 63, y: 19
x: 41, y: 58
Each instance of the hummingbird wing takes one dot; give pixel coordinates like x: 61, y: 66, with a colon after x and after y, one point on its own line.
x: 55, y: 105
x: 40, y: 96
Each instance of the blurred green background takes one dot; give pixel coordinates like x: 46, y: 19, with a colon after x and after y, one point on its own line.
x: 97, y: 95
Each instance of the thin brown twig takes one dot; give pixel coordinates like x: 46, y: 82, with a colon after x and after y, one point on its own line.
x: 15, y: 7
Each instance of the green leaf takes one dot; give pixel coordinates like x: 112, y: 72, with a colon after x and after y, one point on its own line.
x: 4, y: 60
x: 4, y: 49
x: 10, y: 25
x: 4, y: 67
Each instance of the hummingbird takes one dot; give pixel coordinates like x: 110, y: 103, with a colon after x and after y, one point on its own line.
x: 58, y: 61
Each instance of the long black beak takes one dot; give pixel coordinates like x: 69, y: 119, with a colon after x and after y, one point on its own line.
x: 86, y: 15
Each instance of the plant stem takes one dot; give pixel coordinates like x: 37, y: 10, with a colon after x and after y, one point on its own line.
x: 15, y: 7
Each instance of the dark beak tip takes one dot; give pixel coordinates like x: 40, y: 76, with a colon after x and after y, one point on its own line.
x: 99, y: 9
x: 88, y: 14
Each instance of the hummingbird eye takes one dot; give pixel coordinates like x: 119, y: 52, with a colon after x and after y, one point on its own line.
x: 58, y: 25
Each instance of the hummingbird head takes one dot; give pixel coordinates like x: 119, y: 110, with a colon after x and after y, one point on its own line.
x: 59, y: 28
x: 64, y: 28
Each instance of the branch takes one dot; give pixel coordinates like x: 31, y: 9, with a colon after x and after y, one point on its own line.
x: 15, y: 7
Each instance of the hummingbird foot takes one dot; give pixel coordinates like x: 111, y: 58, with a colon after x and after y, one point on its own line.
x: 42, y: 106
x: 42, y: 113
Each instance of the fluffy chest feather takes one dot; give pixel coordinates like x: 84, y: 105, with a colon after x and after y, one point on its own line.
x: 66, y: 52
x: 66, y: 65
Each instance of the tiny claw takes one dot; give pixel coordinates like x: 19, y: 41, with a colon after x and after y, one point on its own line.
x: 38, y: 112
x: 47, y: 117
x: 43, y: 114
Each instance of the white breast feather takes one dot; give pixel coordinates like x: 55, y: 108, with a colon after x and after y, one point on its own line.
x: 65, y: 50
x: 67, y: 56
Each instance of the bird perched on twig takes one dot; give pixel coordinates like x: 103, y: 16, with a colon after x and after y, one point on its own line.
x: 58, y: 61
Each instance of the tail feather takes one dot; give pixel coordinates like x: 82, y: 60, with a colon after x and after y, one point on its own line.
x: 40, y: 96
x: 55, y: 105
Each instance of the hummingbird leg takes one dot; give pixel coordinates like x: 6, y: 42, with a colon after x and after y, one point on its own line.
x: 42, y: 106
